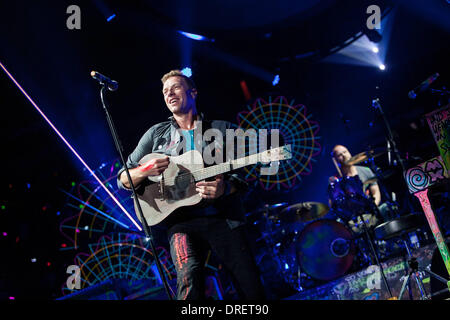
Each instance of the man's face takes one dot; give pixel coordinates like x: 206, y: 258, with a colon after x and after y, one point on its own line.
x: 178, y: 98
x: 341, y: 154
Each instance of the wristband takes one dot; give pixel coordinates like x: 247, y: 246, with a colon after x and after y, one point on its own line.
x: 146, y: 166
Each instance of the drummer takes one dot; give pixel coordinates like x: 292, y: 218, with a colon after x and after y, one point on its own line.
x: 371, y: 189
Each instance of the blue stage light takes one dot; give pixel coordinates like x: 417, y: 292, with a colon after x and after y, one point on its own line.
x: 187, y: 72
x: 382, y: 67
x: 111, y: 17
x: 276, y: 80
x: 193, y: 36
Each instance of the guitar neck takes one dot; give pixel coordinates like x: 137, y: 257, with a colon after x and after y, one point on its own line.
x: 225, y: 167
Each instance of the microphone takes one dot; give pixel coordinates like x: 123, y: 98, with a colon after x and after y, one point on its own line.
x: 112, y: 85
x: 423, y: 86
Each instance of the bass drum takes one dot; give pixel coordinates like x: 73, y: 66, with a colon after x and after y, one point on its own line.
x: 325, y: 249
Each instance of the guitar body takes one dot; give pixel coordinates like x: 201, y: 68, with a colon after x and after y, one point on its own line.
x: 173, y: 189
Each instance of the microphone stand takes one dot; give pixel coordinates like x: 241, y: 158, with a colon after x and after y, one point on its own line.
x: 390, y: 136
x: 392, y: 146
x: 147, y: 231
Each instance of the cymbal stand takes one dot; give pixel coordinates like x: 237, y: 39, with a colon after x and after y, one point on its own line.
x: 390, y: 202
x: 413, y: 273
x: 374, y: 253
x: 392, y: 147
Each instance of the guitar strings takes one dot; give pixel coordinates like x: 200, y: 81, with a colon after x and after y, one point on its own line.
x: 191, y: 173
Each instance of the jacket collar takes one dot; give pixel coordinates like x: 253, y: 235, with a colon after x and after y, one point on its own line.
x: 200, y: 116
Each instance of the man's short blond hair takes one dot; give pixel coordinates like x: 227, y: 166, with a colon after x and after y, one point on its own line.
x: 178, y: 73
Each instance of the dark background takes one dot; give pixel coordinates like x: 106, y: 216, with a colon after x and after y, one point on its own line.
x: 254, y: 40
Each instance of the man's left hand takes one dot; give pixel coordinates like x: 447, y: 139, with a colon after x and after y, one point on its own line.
x: 211, y: 189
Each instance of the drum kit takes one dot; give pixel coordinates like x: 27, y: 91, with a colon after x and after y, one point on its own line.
x: 320, y: 242
x: 310, y: 240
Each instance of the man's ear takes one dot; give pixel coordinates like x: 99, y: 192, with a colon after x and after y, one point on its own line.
x: 193, y: 93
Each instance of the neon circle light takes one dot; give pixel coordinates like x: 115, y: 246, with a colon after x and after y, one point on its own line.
x: 295, y: 127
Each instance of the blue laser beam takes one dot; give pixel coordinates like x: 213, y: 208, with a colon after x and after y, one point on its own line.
x: 97, y: 210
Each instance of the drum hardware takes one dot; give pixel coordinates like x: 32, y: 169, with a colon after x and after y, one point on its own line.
x: 392, y: 146
x: 389, y: 209
x: 368, y: 157
x: 365, y: 156
x: 275, y: 237
x: 402, y: 228
x: 413, y: 266
x: 347, y: 195
x: 266, y: 210
x: 304, y: 212
x: 375, y: 255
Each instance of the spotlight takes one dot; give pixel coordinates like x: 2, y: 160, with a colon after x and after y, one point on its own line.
x: 187, y: 72
x: 382, y: 67
x: 375, y: 49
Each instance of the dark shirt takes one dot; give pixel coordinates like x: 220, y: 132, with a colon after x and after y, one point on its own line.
x: 164, y: 138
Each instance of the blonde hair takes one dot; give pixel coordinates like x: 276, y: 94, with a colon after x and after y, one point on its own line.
x: 178, y: 73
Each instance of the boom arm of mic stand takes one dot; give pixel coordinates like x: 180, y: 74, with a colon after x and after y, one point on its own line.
x: 390, y: 138
x: 145, y: 227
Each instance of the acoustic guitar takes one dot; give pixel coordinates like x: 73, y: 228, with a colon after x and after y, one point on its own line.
x: 175, y: 187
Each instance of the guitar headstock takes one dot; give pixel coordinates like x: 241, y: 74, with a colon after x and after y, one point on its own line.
x: 276, y: 154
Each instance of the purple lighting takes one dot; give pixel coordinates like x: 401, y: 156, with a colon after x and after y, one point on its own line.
x: 72, y: 149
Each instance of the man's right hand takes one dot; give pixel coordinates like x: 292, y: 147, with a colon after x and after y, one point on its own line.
x: 154, y: 167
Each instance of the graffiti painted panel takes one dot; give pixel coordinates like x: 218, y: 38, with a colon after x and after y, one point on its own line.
x: 426, y: 174
x: 439, y: 122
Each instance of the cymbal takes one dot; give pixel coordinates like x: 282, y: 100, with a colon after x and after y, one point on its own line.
x: 304, y: 212
x: 364, y: 156
x: 268, y: 208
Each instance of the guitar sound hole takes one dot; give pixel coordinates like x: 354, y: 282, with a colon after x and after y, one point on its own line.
x: 180, y: 188
x: 182, y: 181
